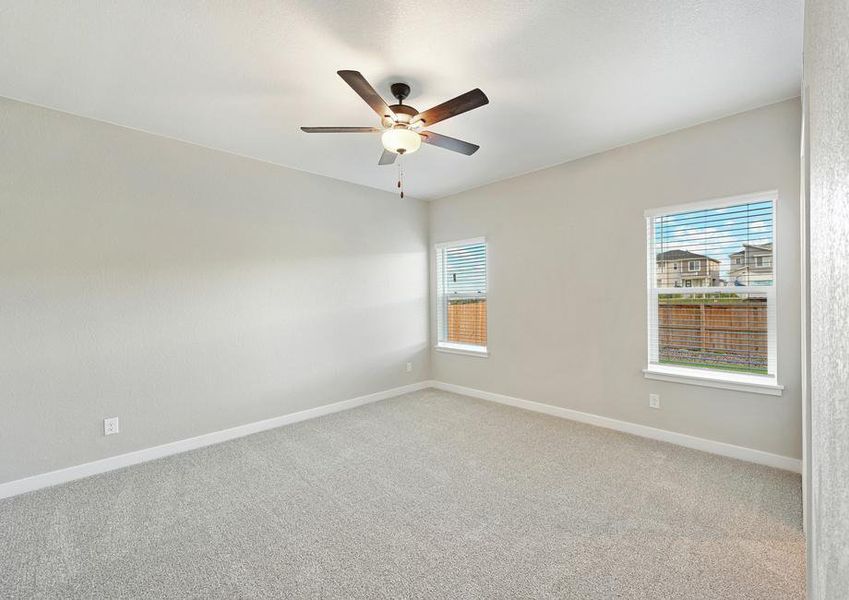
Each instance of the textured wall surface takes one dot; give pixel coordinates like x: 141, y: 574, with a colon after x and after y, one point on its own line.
x: 186, y: 290
x: 574, y: 236
x: 827, y: 81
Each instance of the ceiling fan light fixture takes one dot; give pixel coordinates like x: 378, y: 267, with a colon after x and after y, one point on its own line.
x: 401, y: 140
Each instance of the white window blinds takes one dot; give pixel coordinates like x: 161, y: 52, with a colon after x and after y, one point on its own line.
x: 461, y: 294
x: 711, y: 288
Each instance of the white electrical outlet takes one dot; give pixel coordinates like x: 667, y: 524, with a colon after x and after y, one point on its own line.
x: 654, y: 400
x: 111, y: 426
x: 408, y: 367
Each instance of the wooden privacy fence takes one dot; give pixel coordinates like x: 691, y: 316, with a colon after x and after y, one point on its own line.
x: 737, y: 330
x: 729, y: 333
x: 467, y: 322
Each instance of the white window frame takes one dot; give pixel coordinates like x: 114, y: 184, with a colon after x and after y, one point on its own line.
x: 690, y: 268
x: 450, y: 347
x: 762, y: 384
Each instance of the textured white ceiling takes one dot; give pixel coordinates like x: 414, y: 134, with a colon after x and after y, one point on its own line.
x: 565, y: 78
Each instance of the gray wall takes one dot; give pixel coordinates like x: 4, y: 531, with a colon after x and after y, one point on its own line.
x: 186, y: 290
x: 827, y: 84
x: 572, y: 238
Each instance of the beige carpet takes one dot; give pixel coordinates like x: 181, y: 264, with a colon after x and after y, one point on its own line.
x: 429, y: 495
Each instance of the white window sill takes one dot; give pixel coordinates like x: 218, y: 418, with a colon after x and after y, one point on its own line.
x: 742, y: 382
x: 466, y: 349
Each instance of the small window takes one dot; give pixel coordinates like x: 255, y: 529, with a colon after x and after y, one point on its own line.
x: 461, y: 313
x: 714, y: 331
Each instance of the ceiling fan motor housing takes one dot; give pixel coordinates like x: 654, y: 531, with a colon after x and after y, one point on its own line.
x: 403, y: 114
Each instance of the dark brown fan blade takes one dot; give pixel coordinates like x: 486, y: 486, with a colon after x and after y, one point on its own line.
x: 449, y: 143
x: 356, y: 80
x: 339, y: 129
x: 452, y: 108
x: 387, y: 158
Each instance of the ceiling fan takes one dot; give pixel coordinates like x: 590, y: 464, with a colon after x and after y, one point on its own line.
x: 402, y: 126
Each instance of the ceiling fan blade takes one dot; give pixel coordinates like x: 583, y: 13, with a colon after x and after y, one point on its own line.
x: 452, y: 108
x: 339, y: 129
x: 449, y: 143
x: 387, y: 158
x: 356, y: 80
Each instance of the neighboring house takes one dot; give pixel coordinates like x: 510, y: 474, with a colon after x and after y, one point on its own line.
x: 752, y: 265
x: 680, y: 268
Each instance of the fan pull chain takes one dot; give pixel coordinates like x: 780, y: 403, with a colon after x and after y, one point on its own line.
x: 401, y: 174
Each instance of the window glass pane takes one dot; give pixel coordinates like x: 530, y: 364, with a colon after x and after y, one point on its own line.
x: 465, y: 268
x: 731, y: 245
x: 719, y: 258
x: 461, y: 290
x: 724, y: 331
x: 467, y: 322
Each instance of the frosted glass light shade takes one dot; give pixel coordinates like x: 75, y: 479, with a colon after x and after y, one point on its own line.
x: 401, y: 140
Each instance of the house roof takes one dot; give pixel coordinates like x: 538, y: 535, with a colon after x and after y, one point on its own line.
x: 682, y: 255
x: 764, y: 247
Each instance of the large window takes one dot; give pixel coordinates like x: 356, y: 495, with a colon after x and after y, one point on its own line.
x: 718, y: 328
x: 461, y: 296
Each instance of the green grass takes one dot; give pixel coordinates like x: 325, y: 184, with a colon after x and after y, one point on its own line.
x: 736, y: 368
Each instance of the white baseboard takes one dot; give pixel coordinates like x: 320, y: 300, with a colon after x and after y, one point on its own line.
x: 739, y: 452
x: 29, y: 484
